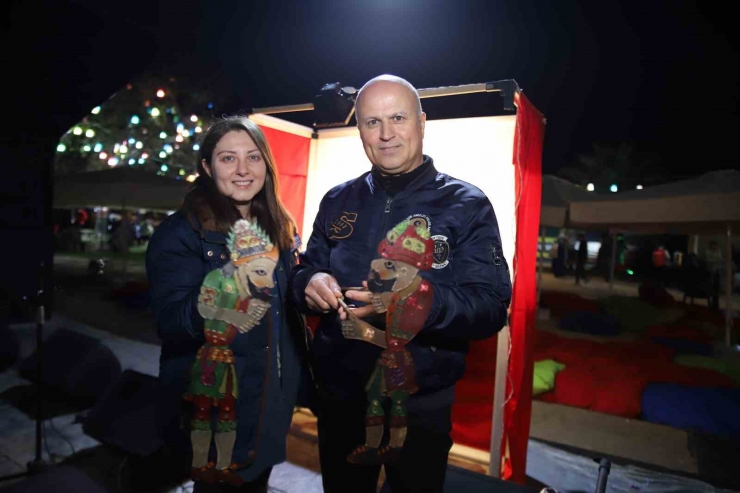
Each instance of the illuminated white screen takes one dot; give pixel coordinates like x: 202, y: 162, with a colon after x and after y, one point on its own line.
x: 476, y: 150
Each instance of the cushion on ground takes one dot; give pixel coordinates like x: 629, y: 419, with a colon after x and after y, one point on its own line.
x: 727, y: 366
x: 655, y: 295
x: 575, y: 386
x: 560, y: 303
x: 681, y: 346
x: 634, y: 315
x: 544, y: 375
x: 680, y: 330
x: 713, y: 411
x: 619, y: 396
x: 589, y: 323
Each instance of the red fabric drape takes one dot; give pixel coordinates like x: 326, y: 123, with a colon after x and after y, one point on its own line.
x: 528, y: 139
x: 473, y: 409
x: 291, y: 158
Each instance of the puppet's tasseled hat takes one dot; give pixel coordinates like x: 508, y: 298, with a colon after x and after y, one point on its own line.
x: 247, y: 241
x: 407, y: 243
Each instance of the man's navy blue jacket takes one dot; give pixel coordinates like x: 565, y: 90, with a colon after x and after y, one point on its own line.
x: 470, y: 276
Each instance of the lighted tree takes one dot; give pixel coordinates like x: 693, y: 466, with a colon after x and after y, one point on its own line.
x: 153, y: 123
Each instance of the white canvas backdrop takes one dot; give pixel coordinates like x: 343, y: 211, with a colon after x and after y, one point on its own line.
x: 476, y: 150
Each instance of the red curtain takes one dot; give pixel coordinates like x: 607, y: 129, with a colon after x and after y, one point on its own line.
x: 473, y: 409
x: 528, y: 139
x: 291, y: 158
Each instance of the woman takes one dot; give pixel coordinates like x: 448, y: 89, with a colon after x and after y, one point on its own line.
x: 237, y: 427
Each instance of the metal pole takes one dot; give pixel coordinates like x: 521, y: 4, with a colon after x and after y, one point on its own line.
x: 507, y: 87
x: 272, y: 110
x: 540, y: 263
x: 613, y: 260
x: 728, y: 287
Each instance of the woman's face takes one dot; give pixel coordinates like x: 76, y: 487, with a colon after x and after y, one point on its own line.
x: 238, y: 169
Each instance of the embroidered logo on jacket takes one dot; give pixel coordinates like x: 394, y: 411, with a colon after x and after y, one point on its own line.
x: 342, y: 228
x: 441, y: 254
x: 420, y: 221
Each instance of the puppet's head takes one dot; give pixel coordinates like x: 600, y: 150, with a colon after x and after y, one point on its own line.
x: 405, y: 251
x: 254, y: 257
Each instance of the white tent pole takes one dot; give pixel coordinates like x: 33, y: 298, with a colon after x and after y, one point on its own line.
x: 499, y: 398
x: 613, y: 261
x: 728, y: 287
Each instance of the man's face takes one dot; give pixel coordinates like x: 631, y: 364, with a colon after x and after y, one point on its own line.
x: 390, y: 127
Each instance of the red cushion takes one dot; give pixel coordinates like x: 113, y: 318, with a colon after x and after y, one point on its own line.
x: 620, y: 396
x: 575, y: 386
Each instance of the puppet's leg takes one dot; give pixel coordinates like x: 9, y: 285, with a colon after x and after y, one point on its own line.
x: 398, y: 429
x: 226, y: 426
x: 200, y: 436
x: 368, y: 453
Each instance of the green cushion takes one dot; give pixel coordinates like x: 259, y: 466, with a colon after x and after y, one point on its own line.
x: 544, y: 375
x: 730, y: 367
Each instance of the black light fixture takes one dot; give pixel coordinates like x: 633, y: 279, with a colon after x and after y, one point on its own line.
x: 334, y: 105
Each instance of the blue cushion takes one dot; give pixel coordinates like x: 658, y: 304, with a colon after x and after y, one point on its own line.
x: 589, y: 323
x: 683, y: 346
x: 709, y: 410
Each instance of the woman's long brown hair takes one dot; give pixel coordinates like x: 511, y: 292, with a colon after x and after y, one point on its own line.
x: 215, y: 212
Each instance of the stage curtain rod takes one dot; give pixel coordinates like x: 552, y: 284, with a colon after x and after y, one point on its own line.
x: 507, y: 87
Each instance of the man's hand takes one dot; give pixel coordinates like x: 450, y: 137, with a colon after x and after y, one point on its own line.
x: 322, y: 293
x: 364, y: 296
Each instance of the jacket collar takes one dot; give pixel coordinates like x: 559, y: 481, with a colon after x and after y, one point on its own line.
x: 429, y: 174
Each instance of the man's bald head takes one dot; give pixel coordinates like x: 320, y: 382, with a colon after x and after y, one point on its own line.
x: 392, y: 79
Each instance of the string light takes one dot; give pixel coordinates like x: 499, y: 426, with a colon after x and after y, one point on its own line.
x: 193, y: 118
x: 163, y: 154
x: 613, y: 188
x: 61, y: 147
x: 160, y: 93
x: 164, y: 167
x: 113, y: 161
x: 90, y: 133
x: 98, y: 147
x: 95, y: 110
x: 192, y: 178
x: 639, y: 187
x: 139, y: 144
x: 198, y: 130
x: 162, y: 135
x: 179, y: 138
x: 86, y: 148
x: 155, y: 112
x: 103, y: 155
x: 196, y: 147
x: 144, y: 155
x: 77, y: 131
x: 135, y: 119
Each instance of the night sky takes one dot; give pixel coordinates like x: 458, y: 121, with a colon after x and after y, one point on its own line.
x: 659, y: 75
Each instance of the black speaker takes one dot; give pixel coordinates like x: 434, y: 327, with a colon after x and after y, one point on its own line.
x: 9, y: 347
x: 125, y: 416
x: 74, y: 365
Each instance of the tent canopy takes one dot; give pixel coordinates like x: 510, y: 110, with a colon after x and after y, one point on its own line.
x: 705, y: 204
x: 557, y: 194
x: 119, y: 187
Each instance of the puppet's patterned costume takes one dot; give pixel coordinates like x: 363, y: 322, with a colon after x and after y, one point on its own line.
x: 232, y: 300
x: 405, y: 250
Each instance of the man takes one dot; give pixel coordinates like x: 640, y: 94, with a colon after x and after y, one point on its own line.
x: 469, y: 279
x: 581, y: 259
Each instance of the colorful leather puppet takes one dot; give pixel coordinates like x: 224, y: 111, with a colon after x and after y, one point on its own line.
x: 232, y: 300
x: 405, y: 298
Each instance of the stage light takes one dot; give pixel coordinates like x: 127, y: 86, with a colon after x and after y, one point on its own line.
x: 334, y: 105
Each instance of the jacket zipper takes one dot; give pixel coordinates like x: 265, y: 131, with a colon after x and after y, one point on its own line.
x: 388, y: 205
